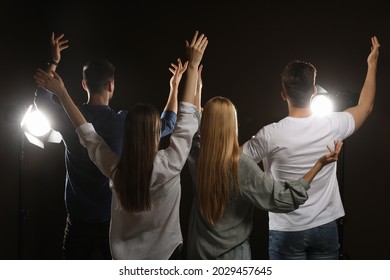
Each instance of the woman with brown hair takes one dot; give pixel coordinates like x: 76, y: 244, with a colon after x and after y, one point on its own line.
x: 145, y: 181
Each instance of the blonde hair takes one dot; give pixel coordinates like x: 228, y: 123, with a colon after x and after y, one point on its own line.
x: 217, y: 167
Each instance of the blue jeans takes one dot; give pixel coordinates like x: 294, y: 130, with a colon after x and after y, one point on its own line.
x: 319, y: 243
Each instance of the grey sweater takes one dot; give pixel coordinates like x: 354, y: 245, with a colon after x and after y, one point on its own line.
x: 206, y: 241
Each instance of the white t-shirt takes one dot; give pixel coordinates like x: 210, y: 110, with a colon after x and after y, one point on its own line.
x: 288, y: 149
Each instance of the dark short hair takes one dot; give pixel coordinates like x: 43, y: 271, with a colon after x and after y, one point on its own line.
x: 298, y: 81
x: 97, y: 73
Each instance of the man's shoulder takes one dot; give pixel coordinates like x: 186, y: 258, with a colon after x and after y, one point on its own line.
x: 122, y: 113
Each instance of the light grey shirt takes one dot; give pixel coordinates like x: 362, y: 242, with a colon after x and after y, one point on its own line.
x: 152, y: 234
x: 206, y: 241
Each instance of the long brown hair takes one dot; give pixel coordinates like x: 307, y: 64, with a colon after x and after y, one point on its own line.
x: 217, y: 166
x: 140, y: 145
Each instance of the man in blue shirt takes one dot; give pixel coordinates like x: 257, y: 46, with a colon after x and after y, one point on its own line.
x: 87, y: 190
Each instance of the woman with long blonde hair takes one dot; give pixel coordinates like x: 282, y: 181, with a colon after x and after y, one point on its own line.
x: 229, y: 184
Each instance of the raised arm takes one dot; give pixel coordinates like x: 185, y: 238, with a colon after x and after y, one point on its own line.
x: 177, y: 71
x: 361, y: 111
x: 53, y: 83
x: 169, y: 115
x: 199, y: 86
x: 195, y: 51
x: 58, y: 44
x: 44, y: 99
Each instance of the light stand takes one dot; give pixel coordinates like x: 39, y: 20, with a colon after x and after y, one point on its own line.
x: 36, y: 128
x: 346, y: 99
x: 341, y: 221
x: 339, y: 102
x: 22, y: 213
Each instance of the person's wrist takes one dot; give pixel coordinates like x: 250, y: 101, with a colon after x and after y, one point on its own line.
x: 320, y: 164
x: 193, y: 65
x: 53, y: 62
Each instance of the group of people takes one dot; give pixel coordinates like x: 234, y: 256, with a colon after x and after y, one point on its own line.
x: 123, y: 193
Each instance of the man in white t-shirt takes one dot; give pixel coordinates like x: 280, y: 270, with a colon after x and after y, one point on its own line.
x: 289, y: 147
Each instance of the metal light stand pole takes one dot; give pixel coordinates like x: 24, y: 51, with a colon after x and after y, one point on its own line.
x: 21, y: 211
x: 50, y: 136
x: 346, y: 100
x: 340, y: 179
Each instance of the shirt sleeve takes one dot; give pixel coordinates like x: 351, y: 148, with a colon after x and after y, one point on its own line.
x: 172, y: 159
x: 266, y: 193
x: 168, y: 121
x: 257, y: 147
x: 343, y: 123
x: 98, y: 150
x: 52, y: 109
x: 195, y: 149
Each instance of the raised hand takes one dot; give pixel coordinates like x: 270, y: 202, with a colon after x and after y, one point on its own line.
x: 373, y: 56
x: 177, y: 71
x: 57, y: 46
x: 50, y: 81
x: 195, y: 51
x: 53, y: 83
x: 196, y: 48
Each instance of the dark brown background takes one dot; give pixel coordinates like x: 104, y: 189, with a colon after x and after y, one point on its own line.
x: 248, y: 47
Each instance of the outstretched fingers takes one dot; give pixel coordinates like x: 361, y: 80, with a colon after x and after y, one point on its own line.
x: 334, y: 153
x: 203, y: 44
x: 198, y: 42
x: 184, y: 68
x: 194, y: 39
x: 374, y: 47
x: 179, y: 67
x: 42, y: 75
x: 375, y: 42
x: 338, y: 145
x: 173, y: 68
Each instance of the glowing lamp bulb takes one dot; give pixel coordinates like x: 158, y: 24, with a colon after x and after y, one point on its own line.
x: 321, y: 105
x: 37, y: 124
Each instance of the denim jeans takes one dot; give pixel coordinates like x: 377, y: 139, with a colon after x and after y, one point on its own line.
x: 319, y: 243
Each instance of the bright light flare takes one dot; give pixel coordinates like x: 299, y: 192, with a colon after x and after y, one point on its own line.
x: 321, y: 105
x: 36, y: 123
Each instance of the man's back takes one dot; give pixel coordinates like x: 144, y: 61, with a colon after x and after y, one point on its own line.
x: 288, y: 149
x: 87, y: 191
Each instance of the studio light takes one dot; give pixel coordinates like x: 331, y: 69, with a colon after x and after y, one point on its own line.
x: 322, y: 102
x: 37, y: 129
